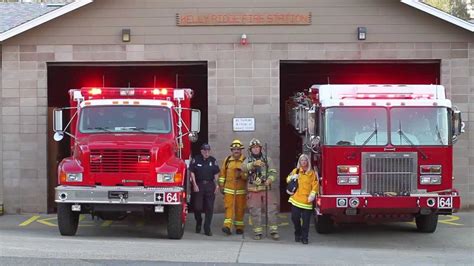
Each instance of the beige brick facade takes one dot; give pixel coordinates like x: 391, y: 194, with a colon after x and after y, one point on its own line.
x: 242, y: 81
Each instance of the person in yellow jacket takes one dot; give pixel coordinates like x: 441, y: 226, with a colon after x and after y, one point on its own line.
x: 260, y: 175
x: 302, y: 200
x: 233, y: 184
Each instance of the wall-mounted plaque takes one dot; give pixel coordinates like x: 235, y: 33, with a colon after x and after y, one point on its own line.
x: 243, y: 124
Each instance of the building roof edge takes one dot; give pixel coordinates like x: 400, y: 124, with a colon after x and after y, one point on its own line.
x: 43, y: 19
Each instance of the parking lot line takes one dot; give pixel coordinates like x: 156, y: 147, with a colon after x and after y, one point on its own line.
x: 106, y: 223
x: 46, y: 222
x: 30, y: 220
x: 451, y: 220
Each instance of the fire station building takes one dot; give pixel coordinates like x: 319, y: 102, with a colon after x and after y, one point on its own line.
x: 243, y: 59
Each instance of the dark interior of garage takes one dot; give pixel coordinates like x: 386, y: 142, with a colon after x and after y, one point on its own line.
x: 297, y: 76
x: 65, y: 76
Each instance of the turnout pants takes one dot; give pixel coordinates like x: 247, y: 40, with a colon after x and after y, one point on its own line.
x: 301, y: 218
x: 203, y: 201
x: 256, y: 204
x: 239, y: 208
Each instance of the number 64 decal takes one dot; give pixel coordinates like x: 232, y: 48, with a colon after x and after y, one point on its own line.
x: 171, y: 197
x: 445, y: 202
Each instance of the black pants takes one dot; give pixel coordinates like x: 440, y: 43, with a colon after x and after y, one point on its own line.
x: 298, y: 214
x: 203, y: 201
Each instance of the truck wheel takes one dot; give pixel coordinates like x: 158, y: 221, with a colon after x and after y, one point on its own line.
x: 323, y: 224
x: 67, y: 219
x: 427, y: 223
x: 175, y: 222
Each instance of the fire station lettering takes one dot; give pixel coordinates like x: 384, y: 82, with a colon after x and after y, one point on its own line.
x: 228, y: 19
x: 243, y: 124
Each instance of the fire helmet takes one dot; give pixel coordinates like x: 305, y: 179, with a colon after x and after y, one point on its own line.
x: 236, y: 144
x: 255, y: 142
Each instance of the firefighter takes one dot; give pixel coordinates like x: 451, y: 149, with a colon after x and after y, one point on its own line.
x: 233, y: 185
x: 204, y: 173
x: 302, y: 199
x: 260, y: 175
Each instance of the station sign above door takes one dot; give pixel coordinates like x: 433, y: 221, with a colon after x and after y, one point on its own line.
x: 242, y: 19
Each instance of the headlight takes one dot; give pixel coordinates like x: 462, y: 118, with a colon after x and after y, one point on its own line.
x: 430, y: 179
x: 430, y: 169
x: 74, y: 177
x: 348, y: 180
x: 165, y: 177
x: 348, y: 169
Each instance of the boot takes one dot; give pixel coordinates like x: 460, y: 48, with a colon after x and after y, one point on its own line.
x: 275, y: 236
x: 226, y: 230
x: 257, y: 237
x: 239, y: 231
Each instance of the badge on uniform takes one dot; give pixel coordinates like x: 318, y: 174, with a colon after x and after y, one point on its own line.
x: 210, y: 163
x: 199, y: 164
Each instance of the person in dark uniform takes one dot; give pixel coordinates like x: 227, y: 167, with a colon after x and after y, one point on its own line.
x: 204, y: 173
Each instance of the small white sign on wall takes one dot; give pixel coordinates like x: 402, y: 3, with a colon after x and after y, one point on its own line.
x: 243, y: 124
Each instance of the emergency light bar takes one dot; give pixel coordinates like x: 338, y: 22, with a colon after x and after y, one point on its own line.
x: 137, y: 93
x: 397, y: 96
x: 381, y: 95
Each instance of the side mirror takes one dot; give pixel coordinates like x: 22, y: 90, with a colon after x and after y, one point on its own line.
x: 193, y: 136
x: 58, y: 136
x: 58, y: 120
x: 315, y: 140
x: 58, y: 125
x: 312, y: 122
x: 458, y: 124
x: 195, y: 121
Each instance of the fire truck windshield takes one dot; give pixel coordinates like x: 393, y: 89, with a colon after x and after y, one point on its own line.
x: 419, y: 125
x: 118, y: 119
x: 356, y: 126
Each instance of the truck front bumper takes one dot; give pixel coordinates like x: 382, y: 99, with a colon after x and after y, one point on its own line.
x: 366, y: 204
x: 120, y: 195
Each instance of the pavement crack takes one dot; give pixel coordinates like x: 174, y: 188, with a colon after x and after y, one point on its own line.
x: 240, y: 250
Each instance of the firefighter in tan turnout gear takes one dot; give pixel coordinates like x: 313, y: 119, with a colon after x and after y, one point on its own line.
x: 260, y: 175
x: 233, y: 184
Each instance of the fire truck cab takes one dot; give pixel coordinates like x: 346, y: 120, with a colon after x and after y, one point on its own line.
x: 383, y: 152
x: 129, y: 153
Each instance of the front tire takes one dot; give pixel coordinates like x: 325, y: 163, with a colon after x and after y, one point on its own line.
x: 323, y: 224
x: 68, y: 220
x: 175, y: 222
x: 427, y: 223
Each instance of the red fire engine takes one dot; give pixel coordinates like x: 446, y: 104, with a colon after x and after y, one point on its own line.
x: 383, y: 152
x: 129, y: 153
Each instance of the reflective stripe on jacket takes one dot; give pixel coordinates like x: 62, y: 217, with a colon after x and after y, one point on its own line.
x: 307, y: 184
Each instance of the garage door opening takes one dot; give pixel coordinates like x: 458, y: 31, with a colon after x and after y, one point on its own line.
x: 299, y: 75
x: 65, y: 76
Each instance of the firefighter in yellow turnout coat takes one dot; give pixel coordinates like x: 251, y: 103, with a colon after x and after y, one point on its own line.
x: 302, y: 200
x: 234, y: 184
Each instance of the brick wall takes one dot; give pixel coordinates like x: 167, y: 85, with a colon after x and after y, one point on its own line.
x: 243, y: 82
x: 1, y: 142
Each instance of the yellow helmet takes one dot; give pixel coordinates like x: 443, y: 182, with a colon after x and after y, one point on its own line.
x: 255, y: 142
x: 236, y: 144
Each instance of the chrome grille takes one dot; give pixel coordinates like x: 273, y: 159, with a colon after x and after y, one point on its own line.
x: 388, y: 172
x: 119, y: 161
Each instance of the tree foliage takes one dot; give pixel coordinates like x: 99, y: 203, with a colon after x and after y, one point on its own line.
x: 457, y: 8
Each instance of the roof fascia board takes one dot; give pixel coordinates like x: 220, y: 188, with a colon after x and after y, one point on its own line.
x: 44, y: 18
x: 440, y: 14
